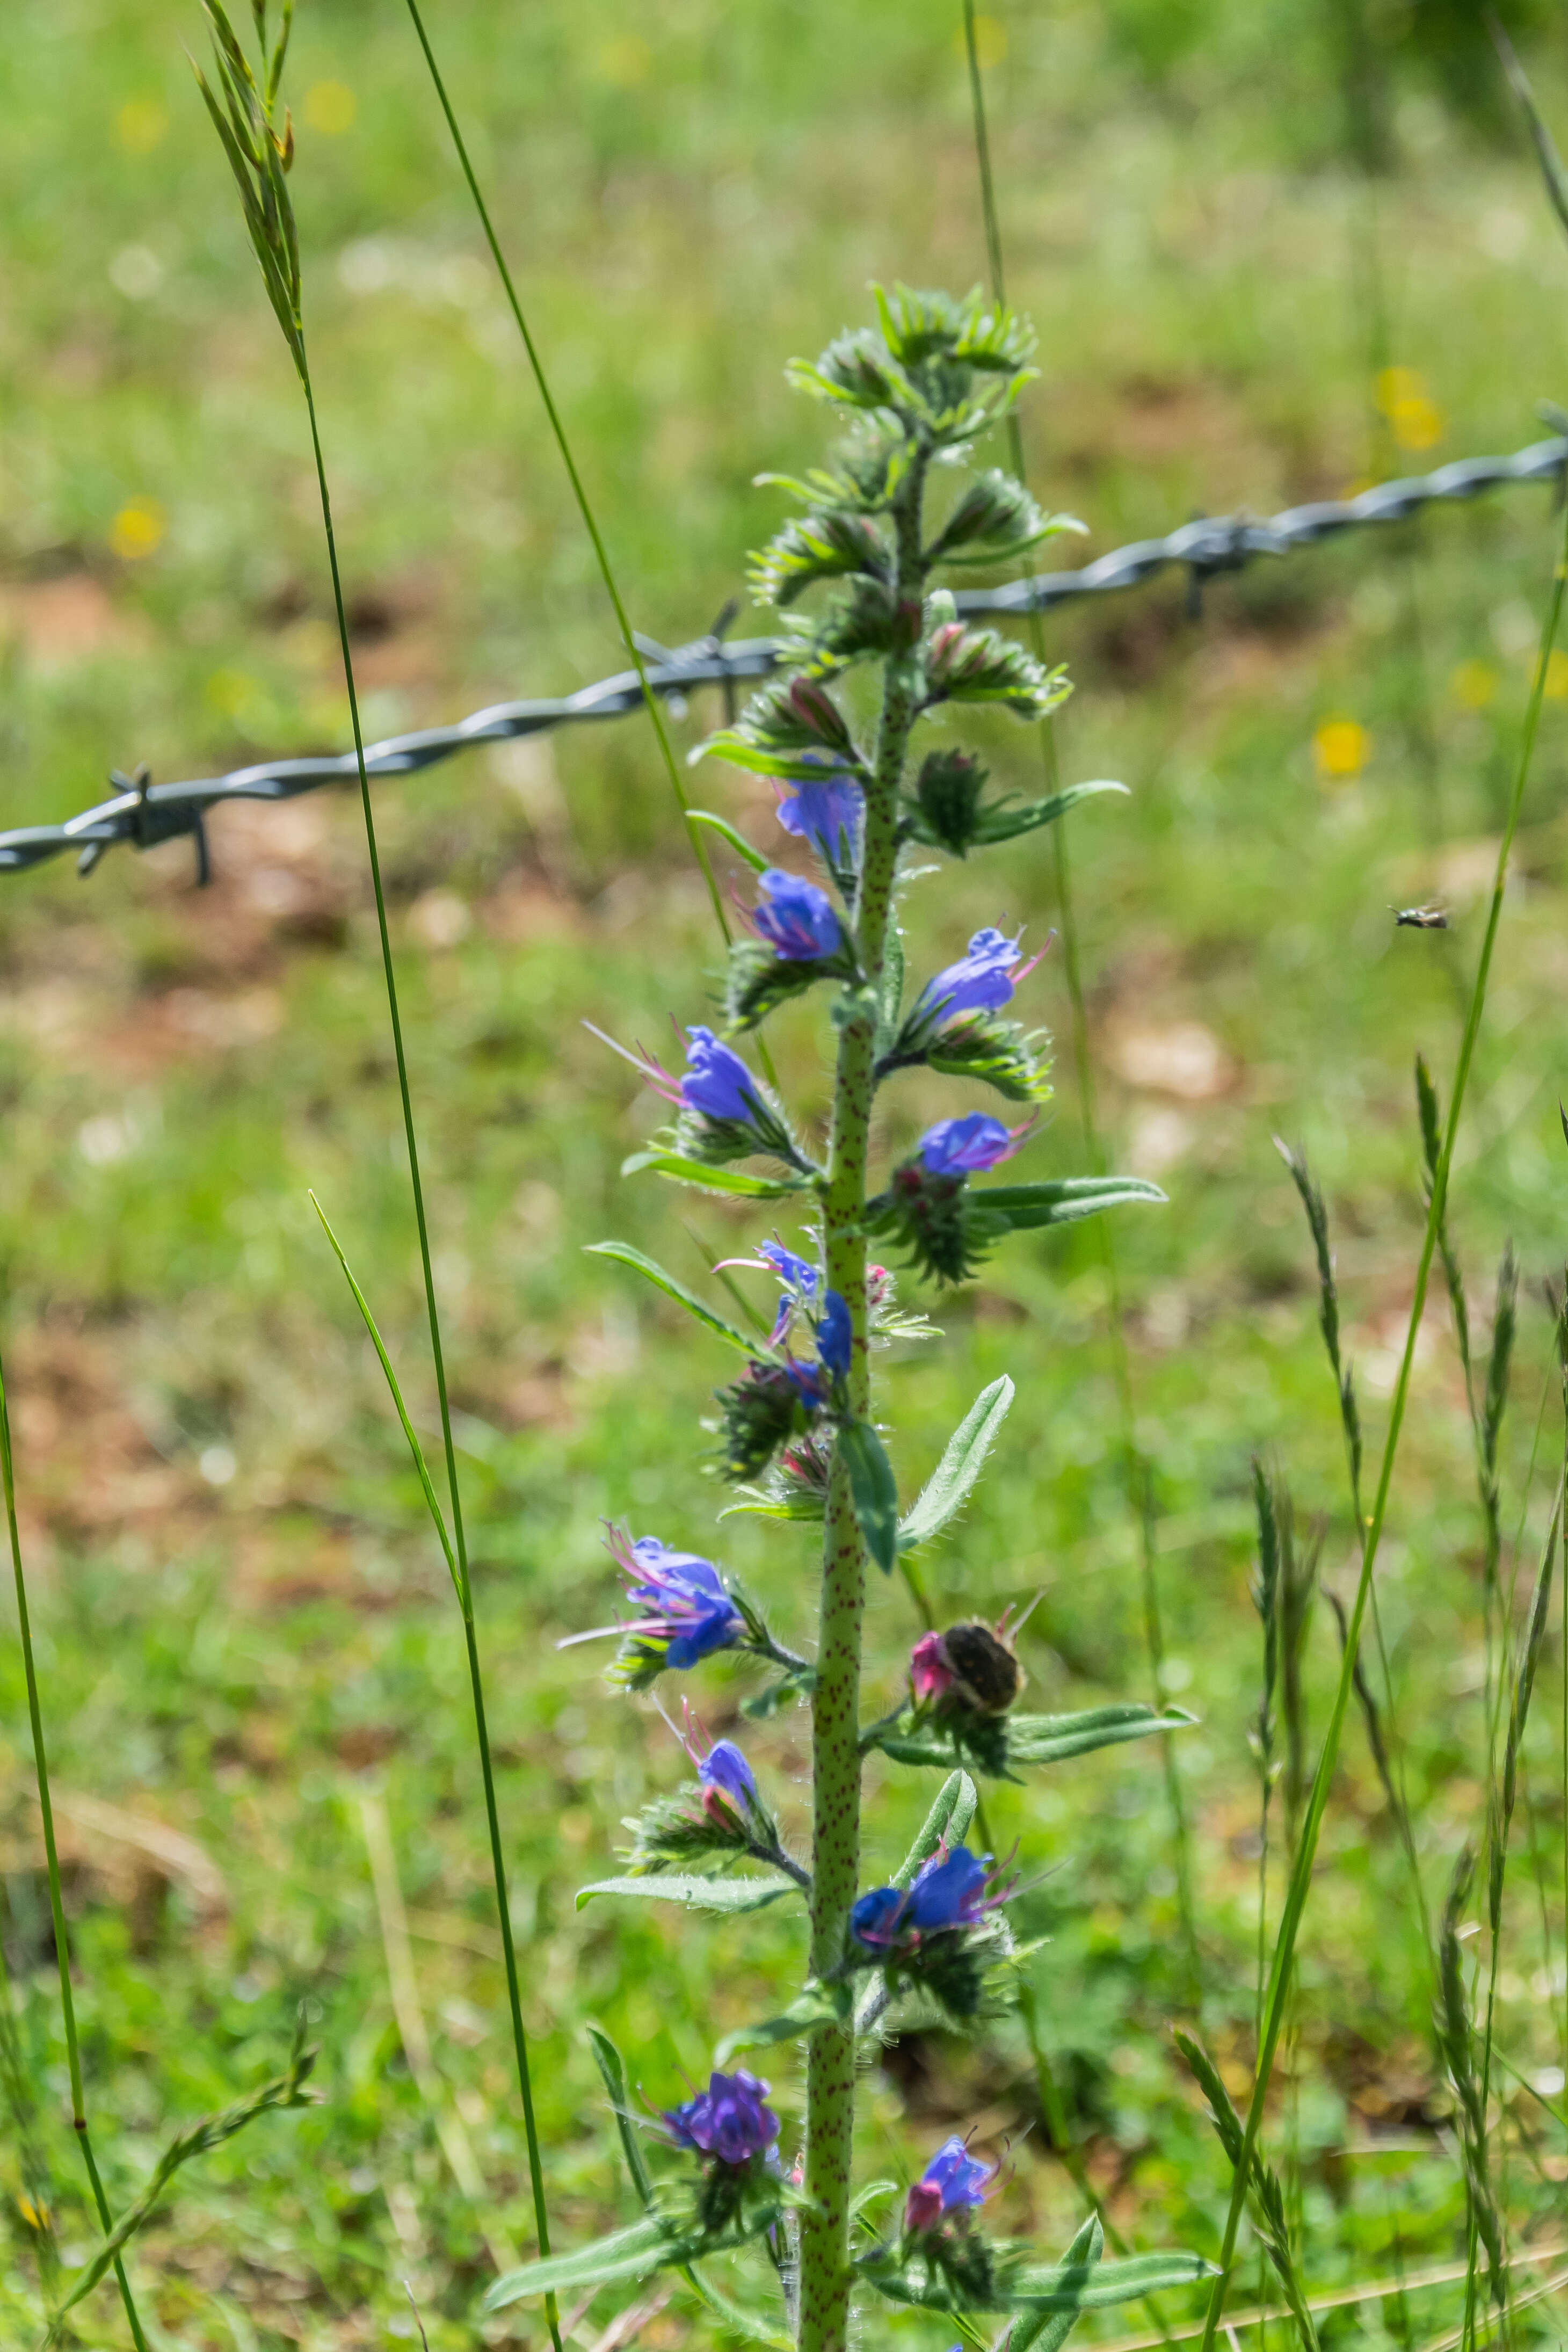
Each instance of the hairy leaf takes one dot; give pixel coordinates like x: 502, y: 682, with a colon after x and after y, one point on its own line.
x: 733, y: 1895
x: 1047, y: 2331
x: 874, y: 1491
x: 1042, y: 1738
x: 675, y: 1165
x: 819, y: 2004
x: 652, y: 2243
x: 1061, y: 1200
x: 948, y: 1818
x: 625, y: 1255
x: 952, y: 1481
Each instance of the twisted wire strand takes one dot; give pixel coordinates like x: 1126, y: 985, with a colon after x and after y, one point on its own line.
x: 145, y: 814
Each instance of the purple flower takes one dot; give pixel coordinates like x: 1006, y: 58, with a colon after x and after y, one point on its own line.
x: 797, y: 1272
x: 729, y: 2120
x: 827, y: 815
x: 799, y: 1277
x: 796, y: 918
x: 687, y: 1606
x: 967, y: 1146
x: 983, y: 980
x: 726, y: 1770
x: 877, y: 1916
x: 717, y: 1082
x: 949, y: 1891
x: 835, y: 1338
x: 952, y: 2183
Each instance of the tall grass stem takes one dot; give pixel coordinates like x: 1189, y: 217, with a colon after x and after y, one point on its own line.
x: 52, y: 1862
x: 1300, y: 1876
x: 459, y: 1542
x: 601, y: 554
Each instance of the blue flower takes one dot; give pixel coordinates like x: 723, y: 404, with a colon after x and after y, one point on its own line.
x: 967, y: 1146
x: 796, y: 918
x: 983, y: 980
x: 948, y: 1892
x: 827, y: 815
x: 876, y: 1918
x: 717, y: 1083
x: 797, y: 1272
x: 953, y: 2182
x: 726, y: 1770
x: 835, y: 1338
x: 690, y: 1615
x: 728, y: 2121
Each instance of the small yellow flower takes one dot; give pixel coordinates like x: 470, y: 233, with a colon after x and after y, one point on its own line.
x: 990, y: 42
x: 331, y: 108
x: 1397, y: 383
x: 624, y: 62
x: 1341, y: 748
x: 232, y: 692
x: 137, y: 530
x: 1417, y: 423
x: 141, y: 124
x: 1473, y: 685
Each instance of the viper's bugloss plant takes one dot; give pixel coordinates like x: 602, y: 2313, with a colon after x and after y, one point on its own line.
x: 797, y: 1427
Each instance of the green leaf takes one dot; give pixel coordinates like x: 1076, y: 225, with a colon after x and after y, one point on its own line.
x: 1064, y: 2288
x: 951, y: 1484
x: 948, y: 1818
x: 652, y: 2243
x: 675, y: 1165
x: 1060, y: 1201
x: 626, y: 1255
x: 727, y: 833
x: 1047, y: 2331
x: 731, y: 1895
x: 1002, y: 822
x: 1074, y: 2286
x: 819, y: 2004
x: 612, y: 2068
x: 1040, y: 1738
x: 873, y: 1490
x: 785, y: 1507
x: 763, y: 1704
x: 1052, y: 1738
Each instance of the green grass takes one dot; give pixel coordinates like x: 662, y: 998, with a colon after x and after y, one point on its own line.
x: 229, y: 1659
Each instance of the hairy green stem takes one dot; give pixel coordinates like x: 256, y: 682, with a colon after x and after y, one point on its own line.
x: 459, y: 1560
x: 825, y: 2279
x: 1317, y: 1804
x: 1137, y: 1472
x: 52, y: 1862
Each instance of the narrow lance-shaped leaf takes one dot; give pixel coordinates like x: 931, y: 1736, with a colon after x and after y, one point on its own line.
x: 652, y: 2243
x: 731, y: 1895
x: 727, y: 834
x: 612, y: 2068
x: 873, y: 1490
x: 1061, y: 1201
x: 700, y: 1172
x: 819, y: 2004
x: 952, y: 1481
x: 949, y: 1818
x: 625, y: 1255
x: 1044, y: 1739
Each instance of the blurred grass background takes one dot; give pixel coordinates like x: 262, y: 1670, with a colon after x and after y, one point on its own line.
x: 245, y: 1628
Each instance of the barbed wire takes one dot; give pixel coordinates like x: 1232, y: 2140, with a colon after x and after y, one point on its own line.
x: 145, y: 814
